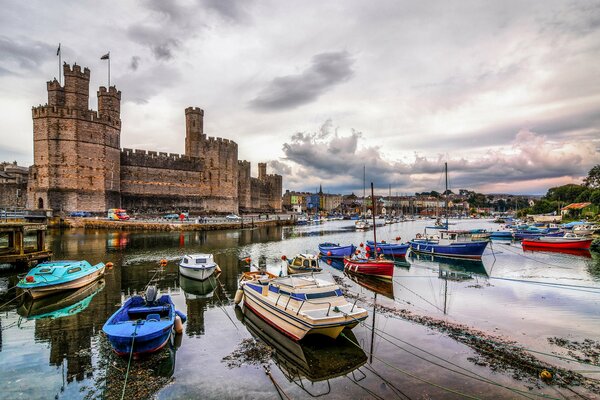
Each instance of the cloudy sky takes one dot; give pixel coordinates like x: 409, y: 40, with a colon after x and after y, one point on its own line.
x: 508, y: 93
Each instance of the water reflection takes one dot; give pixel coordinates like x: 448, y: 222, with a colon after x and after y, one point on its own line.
x: 452, y: 267
x: 316, y: 358
x: 573, y: 252
x: 62, y: 304
x: 375, y: 285
x: 199, y: 295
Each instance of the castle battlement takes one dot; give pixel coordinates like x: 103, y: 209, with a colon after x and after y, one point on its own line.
x: 153, y: 159
x: 194, y: 110
x: 54, y: 85
x: 47, y: 111
x: 111, y: 91
x: 217, y: 141
x: 76, y: 71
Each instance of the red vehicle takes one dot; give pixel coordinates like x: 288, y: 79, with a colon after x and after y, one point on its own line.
x: 118, y: 214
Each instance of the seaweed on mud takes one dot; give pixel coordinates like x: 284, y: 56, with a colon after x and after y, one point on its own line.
x: 249, y: 352
x: 587, y: 351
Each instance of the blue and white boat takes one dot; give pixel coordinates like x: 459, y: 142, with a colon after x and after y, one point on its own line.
x: 508, y: 235
x: 142, y: 324
x: 198, y: 266
x: 457, y: 244
x: 54, y: 276
x: 388, y: 249
x: 531, y: 234
x: 329, y: 249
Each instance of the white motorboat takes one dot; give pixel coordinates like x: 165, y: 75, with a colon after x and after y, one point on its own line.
x: 300, y: 304
x: 198, y: 266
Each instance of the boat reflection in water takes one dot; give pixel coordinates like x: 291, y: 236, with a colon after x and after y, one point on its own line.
x: 198, y: 297
x: 453, y: 268
x: 316, y: 358
x: 385, y: 288
x: 195, y: 289
x: 62, y: 304
x: 574, y: 252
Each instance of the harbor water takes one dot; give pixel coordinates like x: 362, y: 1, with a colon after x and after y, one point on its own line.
x: 422, y: 340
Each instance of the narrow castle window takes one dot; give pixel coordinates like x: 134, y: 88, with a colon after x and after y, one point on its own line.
x: 40, y: 203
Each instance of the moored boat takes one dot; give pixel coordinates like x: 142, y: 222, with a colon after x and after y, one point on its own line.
x: 458, y: 244
x: 531, y: 234
x: 388, y: 249
x: 501, y: 235
x: 566, y: 242
x: 302, y: 263
x: 198, y: 266
x: 329, y: 249
x: 300, y: 305
x: 54, y: 276
x: 376, y: 267
x: 142, y: 324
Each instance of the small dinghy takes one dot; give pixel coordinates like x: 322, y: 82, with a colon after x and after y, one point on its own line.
x: 198, y: 266
x: 329, y: 249
x: 388, y: 249
x: 145, y: 323
x: 55, y: 276
x: 302, y: 263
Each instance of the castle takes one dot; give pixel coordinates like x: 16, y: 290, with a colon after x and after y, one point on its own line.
x: 79, y: 165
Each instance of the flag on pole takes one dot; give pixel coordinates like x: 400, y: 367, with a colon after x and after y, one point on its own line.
x: 106, y: 56
x: 58, y: 50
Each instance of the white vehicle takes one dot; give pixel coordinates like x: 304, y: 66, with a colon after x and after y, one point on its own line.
x: 233, y: 217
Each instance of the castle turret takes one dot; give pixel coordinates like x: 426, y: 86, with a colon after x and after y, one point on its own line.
x: 109, y: 102
x: 56, y: 93
x: 262, y: 171
x: 194, y: 131
x: 77, y: 87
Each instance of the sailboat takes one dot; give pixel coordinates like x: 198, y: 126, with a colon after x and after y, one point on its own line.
x: 363, y: 223
x: 378, y: 267
x: 457, y: 244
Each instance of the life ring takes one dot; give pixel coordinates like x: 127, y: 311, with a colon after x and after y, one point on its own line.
x: 418, y: 236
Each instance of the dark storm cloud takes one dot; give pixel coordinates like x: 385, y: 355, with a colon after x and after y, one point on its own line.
x: 339, y: 159
x: 161, y: 45
x: 280, y: 168
x: 230, y: 10
x: 288, y: 92
x: 23, y: 54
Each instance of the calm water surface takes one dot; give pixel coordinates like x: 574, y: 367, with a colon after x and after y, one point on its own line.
x: 54, y: 348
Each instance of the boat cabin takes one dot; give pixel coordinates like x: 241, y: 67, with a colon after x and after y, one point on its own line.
x: 196, y: 260
x: 305, y: 261
x: 457, y: 236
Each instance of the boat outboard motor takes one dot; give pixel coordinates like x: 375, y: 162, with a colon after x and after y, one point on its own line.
x: 151, y: 294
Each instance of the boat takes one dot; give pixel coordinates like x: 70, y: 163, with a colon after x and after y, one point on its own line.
x: 531, y: 234
x: 315, y: 358
x: 388, y: 249
x: 63, y: 304
x: 499, y: 235
x: 143, y: 324
x: 54, y: 276
x: 302, y: 263
x: 569, y: 241
x: 302, y: 220
x: 194, y: 289
x: 329, y: 249
x: 438, y: 225
x: 299, y: 305
x: 198, y: 266
x: 585, y: 230
x: 362, y: 224
x: 458, y: 244
x: 376, y: 266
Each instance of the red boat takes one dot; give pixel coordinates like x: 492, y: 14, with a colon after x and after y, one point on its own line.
x: 565, y: 242
x: 379, y: 268
x: 574, y: 252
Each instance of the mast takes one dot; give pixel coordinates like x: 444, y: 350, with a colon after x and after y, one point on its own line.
x: 364, y: 192
x: 446, y: 192
x: 374, y: 230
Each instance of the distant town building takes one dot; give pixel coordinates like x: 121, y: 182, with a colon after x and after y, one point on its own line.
x: 79, y: 165
x: 13, y: 185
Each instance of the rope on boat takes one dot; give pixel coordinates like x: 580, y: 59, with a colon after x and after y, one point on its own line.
x: 130, y: 357
x: 279, y: 389
x: 13, y: 299
x: 220, y: 305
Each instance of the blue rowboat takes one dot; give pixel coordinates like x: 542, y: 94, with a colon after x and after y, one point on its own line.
x: 532, y: 235
x: 388, y: 249
x: 457, y: 244
x: 145, y: 323
x: 55, y: 276
x: 501, y: 235
x: 335, y: 250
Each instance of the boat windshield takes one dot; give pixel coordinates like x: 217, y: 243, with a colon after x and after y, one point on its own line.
x: 305, y: 280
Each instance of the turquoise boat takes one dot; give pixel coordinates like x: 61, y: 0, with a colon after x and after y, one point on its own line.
x: 55, y: 276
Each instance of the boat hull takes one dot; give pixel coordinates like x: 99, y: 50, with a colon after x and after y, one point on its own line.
x: 199, y: 274
x: 468, y: 250
x: 383, y: 269
x: 337, y: 251
x: 42, y: 291
x: 389, y: 249
x: 141, y: 345
x: 557, y: 244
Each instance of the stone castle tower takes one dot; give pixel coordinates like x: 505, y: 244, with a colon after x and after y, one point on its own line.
x: 76, y: 150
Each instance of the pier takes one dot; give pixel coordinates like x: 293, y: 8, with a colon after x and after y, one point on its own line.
x: 22, y: 243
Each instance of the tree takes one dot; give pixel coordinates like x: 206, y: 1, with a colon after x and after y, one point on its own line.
x: 565, y: 193
x: 593, y: 178
x: 595, y: 197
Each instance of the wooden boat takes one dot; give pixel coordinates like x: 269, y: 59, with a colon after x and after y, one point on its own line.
x: 569, y: 241
x: 299, y: 305
x: 303, y: 263
x: 316, y: 358
x: 198, y: 266
x: 63, y: 304
x: 375, y: 267
x: 335, y: 250
x: 54, y: 276
x: 388, y: 249
x: 459, y: 244
x: 142, y: 322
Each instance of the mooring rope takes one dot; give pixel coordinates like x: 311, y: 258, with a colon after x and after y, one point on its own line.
x: 130, y: 357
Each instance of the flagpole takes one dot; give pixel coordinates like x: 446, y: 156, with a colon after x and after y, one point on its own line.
x: 109, y: 70
x: 59, y: 64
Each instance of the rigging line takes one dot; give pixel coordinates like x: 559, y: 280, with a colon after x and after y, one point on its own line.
x: 390, y: 384
x: 225, y: 311
x: 373, y: 394
x: 10, y: 301
x: 534, y: 259
x: 280, y: 391
x: 422, y: 298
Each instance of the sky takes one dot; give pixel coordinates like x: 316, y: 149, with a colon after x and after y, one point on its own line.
x: 507, y: 93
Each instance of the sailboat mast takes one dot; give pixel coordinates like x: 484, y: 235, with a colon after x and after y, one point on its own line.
x: 446, y: 192
x: 374, y: 230
x: 364, y: 192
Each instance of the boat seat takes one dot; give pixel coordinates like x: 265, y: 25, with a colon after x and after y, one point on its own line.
x: 153, y: 317
x: 146, y: 310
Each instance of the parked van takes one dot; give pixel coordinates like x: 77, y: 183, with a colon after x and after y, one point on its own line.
x: 118, y: 214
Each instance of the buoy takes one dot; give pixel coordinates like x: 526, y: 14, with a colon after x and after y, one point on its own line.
x: 357, y: 252
x: 283, y: 257
x: 239, y: 294
x: 362, y: 244
x: 329, y: 261
x: 178, y: 325
x: 29, y: 278
x: 546, y: 375
x: 398, y: 238
x: 329, y: 253
x: 379, y: 249
x: 248, y: 260
x: 109, y: 265
x: 218, y: 269
x: 163, y: 263
x: 178, y: 337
